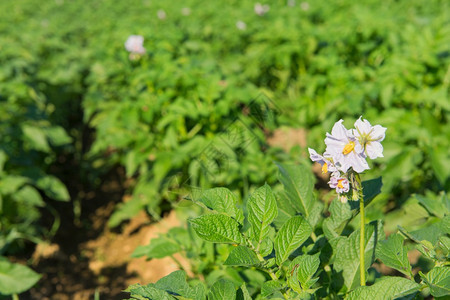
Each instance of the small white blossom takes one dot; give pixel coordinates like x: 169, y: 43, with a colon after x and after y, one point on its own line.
x: 341, y: 144
x: 341, y: 184
x: 161, y: 14
x: 304, y: 6
x: 261, y: 9
x: 134, y: 44
x: 185, y: 11
x: 369, y: 138
x: 325, y: 161
x: 291, y: 3
x: 241, y: 25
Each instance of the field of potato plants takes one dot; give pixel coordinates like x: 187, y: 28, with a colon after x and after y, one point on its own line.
x: 224, y: 150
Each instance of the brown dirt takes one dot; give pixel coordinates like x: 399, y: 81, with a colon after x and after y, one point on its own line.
x: 86, y: 257
x: 286, y: 138
x: 103, y: 264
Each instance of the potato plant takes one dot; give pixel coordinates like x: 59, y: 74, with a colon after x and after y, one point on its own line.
x: 283, y: 246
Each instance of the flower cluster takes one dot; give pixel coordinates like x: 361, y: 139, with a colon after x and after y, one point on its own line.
x: 346, y: 154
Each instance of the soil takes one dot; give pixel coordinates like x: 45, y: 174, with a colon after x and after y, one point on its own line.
x: 87, y: 259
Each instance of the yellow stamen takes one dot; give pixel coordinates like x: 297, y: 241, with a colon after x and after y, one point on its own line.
x: 324, y: 168
x: 340, y: 185
x: 348, y: 148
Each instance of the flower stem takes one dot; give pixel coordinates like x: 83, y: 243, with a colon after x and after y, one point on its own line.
x: 361, y: 242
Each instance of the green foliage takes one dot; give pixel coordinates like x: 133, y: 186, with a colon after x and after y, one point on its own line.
x: 291, y: 262
x: 217, y: 228
x: 392, y: 253
x: 198, y: 107
x: 438, y: 279
x: 15, y: 278
x: 385, y: 288
x: 347, y: 253
x: 293, y: 233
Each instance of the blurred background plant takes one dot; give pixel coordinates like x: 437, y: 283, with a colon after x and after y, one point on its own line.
x: 201, y: 106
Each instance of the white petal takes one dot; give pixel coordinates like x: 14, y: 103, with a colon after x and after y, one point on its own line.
x: 362, y: 126
x: 334, y: 146
x: 378, y: 133
x: 314, y: 156
x: 358, y: 148
x: 374, y: 150
x: 358, y: 163
x: 339, y: 131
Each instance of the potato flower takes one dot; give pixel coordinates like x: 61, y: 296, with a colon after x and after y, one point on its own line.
x: 369, y: 138
x: 134, y: 44
x: 341, y: 184
x: 261, y: 9
x: 326, y: 161
x: 342, y: 145
x: 241, y: 25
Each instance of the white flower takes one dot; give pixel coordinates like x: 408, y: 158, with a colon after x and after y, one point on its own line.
x: 369, y: 138
x: 161, y: 14
x: 260, y: 9
x: 134, y: 44
x: 325, y: 161
x: 341, y: 184
x: 304, y: 6
x: 241, y: 25
x: 185, y: 11
x: 291, y: 3
x: 341, y: 145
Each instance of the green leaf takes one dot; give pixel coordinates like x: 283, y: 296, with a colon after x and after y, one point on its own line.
x: 57, y: 136
x: 298, y: 184
x: 158, y: 248
x: 262, y: 210
x: 347, y: 253
x: 125, y: 211
x: 3, y: 159
x: 316, y: 214
x: 439, y: 160
x: 36, y: 137
x: 242, y: 293
x: 53, y: 188
x: 430, y: 233
x: 242, y: 256
x: 217, y: 228
x: 386, y: 288
x: 175, y: 284
x: 434, y: 205
x: 270, y: 287
x: 222, y: 289
x: 198, y: 292
x: 16, y: 278
x: 392, y: 253
x: 301, y: 272
x: 340, y: 213
x: 29, y: 195
x: 308, y: 265
x: 371, y: 188
x: 221, y: 200
x: 438, y: 279
x: 149, y: 291
x: 11, y: 183
x: 293, y: 233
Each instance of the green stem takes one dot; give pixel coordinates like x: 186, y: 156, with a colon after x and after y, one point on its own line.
x: 272, y: 275
x: 15, y: 297
x: 361, y: 243
x: 177, y: 262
